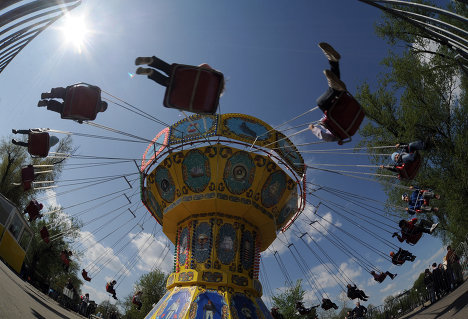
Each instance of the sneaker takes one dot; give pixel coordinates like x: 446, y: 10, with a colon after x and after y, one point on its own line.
x: 333, y: 81
x: 143, y: 60
x: 46, y: 95
x: 413, y: 258
x: 144, y: 71
x: 393, y: 276
x: 434, y: 226
x: 329, y: 52
x: 14, y: 131
x: 42, y: 103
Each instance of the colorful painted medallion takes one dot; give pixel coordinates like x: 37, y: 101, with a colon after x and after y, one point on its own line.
x: 226, y: 244
x: 164, y: 183
x: 289, y: 208
x: 209, y: 305
x: 239, y: 172
x: 177, y: 306
x: 184, y: 246
x: 273, y: 189
x: 153, y: 204
x: 192, y: 128
x: 196, y: 171
x: 247, y: 129
x: 202, y: 237
x: 245, y: 308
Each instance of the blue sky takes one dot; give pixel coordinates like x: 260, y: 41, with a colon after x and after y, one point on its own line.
x: 268, y: 53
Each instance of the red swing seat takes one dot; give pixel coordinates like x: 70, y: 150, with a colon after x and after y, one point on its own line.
x: 45, y: 235
x: 344, y: 117
x: 194, y: 89
x: 27, y: 177
x: 82, y: 102
x: 33, y: 209
x: 84, y: 274
x: 413, y: 238
x: 408, y: 171
x: 38, y: 144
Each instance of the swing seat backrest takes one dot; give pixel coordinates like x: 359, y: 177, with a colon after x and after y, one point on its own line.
x: 84, y: 274
x: 413, y: 238
x: 45, y: 234
x: 38, y: 144
x: 82, y: 102
x: 194, y: 89
x: 408, y: 171
x: 27, y: 176
x: 32, y: 210
x: 344, y: 117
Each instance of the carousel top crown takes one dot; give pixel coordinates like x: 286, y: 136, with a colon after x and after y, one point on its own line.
x: 231, y: 164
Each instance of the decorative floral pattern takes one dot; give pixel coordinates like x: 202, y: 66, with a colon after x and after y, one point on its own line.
x: 196, y: 171
x: 239, y: 172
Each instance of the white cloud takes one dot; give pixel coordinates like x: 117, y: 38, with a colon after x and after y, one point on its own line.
x: 159, y: 252
x: 51, y: 198
x: 97, y: 295
x: 388, y: 287
x: 95, y: 250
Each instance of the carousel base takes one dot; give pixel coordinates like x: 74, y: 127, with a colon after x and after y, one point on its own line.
x: 197, y: 302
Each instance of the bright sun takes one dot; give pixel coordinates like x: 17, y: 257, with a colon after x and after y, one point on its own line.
x: 75, y: 31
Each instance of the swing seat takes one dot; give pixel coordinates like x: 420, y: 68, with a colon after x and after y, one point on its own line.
x: 45, y: 235
x: 408, y: 171
x: 82, y: 102
x: 194, y: 89
x: 33, y: 209
x: 84, y: 274
x: 413, y: 239
x: 27, y: 177
x: 38, y: 144
x: 344, y: 117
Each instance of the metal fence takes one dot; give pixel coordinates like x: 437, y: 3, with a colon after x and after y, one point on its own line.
x: 411, y: 299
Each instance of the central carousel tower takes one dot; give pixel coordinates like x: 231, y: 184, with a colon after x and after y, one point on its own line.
x: 221, y: 186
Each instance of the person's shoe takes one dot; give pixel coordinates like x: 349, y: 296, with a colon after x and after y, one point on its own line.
x: 14, y: 131
x: 434, y: 226
x: 393, y: 276
x: 329, y: 52
x: 333, y: 81
x: 42, y: 103
x: 143, y: 60
x: 144, y: 71
x: 413, y: 258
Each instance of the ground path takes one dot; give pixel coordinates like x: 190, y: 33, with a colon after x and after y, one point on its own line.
x: 19, y: 299
x: 454, y: 306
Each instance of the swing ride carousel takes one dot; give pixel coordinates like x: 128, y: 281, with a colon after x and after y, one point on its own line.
x: 221, y: 186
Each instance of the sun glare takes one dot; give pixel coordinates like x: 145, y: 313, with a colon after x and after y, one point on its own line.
x: 75, y: 31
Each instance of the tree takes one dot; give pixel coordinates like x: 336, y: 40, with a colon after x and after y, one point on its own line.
x: 106, y: 308
x: 14, y: 157
x: 286, y: 302
x: 423, y: 96
x: 43, y: 260
x: 153, y: 286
